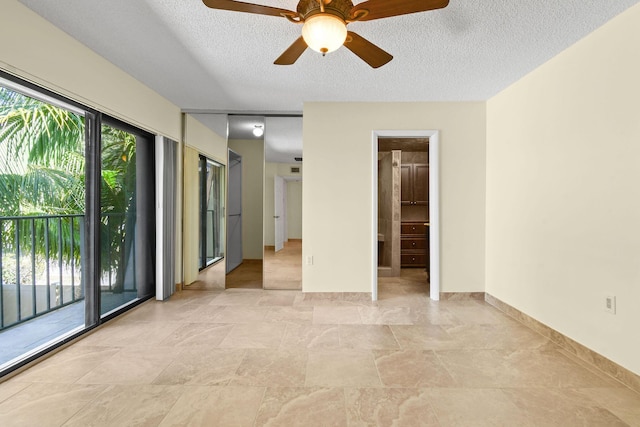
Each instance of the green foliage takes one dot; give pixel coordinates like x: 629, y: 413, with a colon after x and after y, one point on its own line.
x: 41, y: 157
x: 42, y: 172
x: 118, y: 201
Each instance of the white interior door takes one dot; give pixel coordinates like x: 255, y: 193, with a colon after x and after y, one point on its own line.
x: 234, y: 212
x: 278, y: 215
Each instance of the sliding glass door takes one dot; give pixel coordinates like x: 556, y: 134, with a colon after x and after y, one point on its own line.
x: 126, y: 215
x: 77, y: 220
x: 42, y: 212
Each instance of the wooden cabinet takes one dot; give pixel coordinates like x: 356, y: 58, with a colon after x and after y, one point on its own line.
x: 414, y: 184
x: 414, y: 244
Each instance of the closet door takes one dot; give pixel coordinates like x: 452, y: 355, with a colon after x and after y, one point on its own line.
x: 420, y: 184
x: 406, y: 184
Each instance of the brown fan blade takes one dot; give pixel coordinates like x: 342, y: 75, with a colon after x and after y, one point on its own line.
x: 386, y: 8
x: 292, y: 53
x: 239, y: 6
x: 367, y: 51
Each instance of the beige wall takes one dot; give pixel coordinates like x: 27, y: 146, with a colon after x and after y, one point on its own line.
x: 252, y: 152
x: 204, y: 140
x: 190, y: 225
x: 338, y: 182
x: 294, y: 201
x: 198, y: 139
x: 294, y: 209
x: 49, y: 57
x: 563, y: 192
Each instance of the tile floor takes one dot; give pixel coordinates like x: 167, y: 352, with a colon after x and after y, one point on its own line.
x: 247, y: 275
x: 283, y: 269
x: 245, y: 357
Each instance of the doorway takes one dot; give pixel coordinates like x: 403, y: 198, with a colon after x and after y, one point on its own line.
x: 283, y: 259
x: 234, y: 212
x: 430, y: 206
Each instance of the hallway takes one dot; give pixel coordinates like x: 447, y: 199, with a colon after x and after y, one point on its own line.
x: 252, y: 357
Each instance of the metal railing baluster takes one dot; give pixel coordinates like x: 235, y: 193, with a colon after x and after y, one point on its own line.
x: 18, y: 279
x: 48, y: 267
x: 72, y: 259
x: 34, y: 308
x: 60, y: 260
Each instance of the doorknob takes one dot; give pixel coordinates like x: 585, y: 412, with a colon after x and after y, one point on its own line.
x: 276, y: 217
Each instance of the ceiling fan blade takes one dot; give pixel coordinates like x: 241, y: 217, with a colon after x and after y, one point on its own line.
x: 367, y: 51
x: 386, y: 8
x: 239, y: 6
x: 292, y: 53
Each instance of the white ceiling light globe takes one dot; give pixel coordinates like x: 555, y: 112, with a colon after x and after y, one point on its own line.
x: 324, y: 32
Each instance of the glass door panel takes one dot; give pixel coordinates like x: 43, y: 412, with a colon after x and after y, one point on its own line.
x: 118, y: 219
x: 42, y: 211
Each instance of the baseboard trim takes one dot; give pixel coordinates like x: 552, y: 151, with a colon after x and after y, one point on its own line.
x: 461, y: 296
x: 319, y: 298
x: 578, y: 350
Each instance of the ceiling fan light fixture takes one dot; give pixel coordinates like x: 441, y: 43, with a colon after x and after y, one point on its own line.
x: 258, y: 131
x: 324, y: 32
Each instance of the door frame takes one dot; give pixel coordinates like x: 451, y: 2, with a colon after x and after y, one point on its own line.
x: 434, y: 205
x: 279, y: 183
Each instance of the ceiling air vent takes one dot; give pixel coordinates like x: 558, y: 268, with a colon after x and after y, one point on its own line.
x: 295, y: 169
x: 298, y: 159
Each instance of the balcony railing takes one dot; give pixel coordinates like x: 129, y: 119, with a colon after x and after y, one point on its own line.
x: 40, y: 265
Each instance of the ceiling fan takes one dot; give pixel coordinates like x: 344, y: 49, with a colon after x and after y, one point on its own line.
x: 325, y: 22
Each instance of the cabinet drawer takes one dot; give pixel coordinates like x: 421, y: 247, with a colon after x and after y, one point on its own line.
x: 413, y: 228
x: 415, y: 260
x: 413, y: 243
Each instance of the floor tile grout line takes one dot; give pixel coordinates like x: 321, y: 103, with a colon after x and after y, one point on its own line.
x: 182, y: 393
x: 90, y: 401
x: 444, y: 366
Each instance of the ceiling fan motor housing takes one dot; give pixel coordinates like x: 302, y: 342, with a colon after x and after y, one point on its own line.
x: 340, y: 8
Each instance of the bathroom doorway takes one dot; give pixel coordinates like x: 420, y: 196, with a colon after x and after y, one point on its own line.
x: 405, y: 217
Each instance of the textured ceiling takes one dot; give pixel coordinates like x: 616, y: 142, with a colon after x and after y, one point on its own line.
x: 204, y: 59
x: 212, y: 60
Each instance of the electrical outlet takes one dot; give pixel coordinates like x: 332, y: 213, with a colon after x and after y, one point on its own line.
x: 310, y: 260
x: 610, y: 304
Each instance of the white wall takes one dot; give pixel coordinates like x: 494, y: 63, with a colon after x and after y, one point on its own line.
x: 252, y: 152
x: 338, y: 184
x: 563, y: 192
